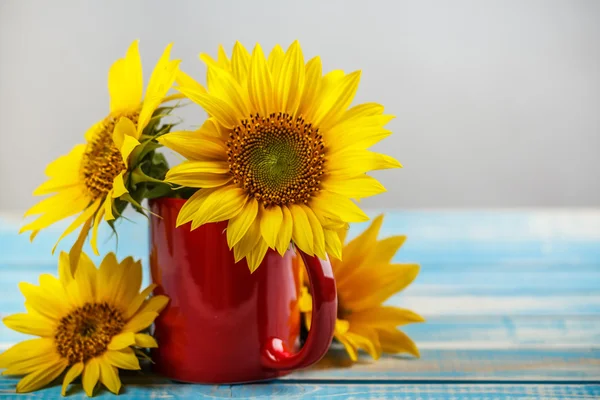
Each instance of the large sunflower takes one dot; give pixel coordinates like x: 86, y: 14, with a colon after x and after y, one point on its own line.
x: 89, y: 179
x: 365, y: 279
x: 87, y: 323
x: 281, y: 154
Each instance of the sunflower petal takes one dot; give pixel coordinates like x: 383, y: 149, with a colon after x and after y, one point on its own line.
x: 355, y: 188
x: 336, y: 101
x: 195, y: 145
x: 223, y: 85
x: 121, y: 341
x: 301, y: 232
x: 270, y: 223
x: 312, y: 86
x: 123, y: 359
x: 200, y: 174
x: 240, y: 63
x: 214, y: 106
x: 338, y: 207
x: 71, y: 375
x: 333, y: 245
x: 239, y: 225
x: 154, y: 304
x: 285, y: 232
x: 81, y: 219
x: 144, y: 340
x: 45, y: 374
x: 248, y: 241
x: 222, y: 204
x: 91, y: 374
x: 109, y: 376
x: 125, y: 81
x: 140, y: 321
x: 30, y: 324
x: 289, y: 82
x: 125, y: 137
x: 395, y: 341
x: 257, y: 255
x: 317, y: 231
x: 161, y: 80
x: 260, y: 86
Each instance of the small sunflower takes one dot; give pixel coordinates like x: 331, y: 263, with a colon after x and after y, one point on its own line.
x: 89, y: 179
x: 365, y: 279
x: 88, y: 323
x: 282, y: 153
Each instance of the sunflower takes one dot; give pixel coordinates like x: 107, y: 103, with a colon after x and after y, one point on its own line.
x: 89, y: 179
x: 365, y: 279
x: 88, y: 323
x: 281, y: 154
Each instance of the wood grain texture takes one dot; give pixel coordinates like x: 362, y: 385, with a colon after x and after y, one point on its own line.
x: 511, y: 298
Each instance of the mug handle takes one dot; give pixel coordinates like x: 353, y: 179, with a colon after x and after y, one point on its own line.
x: 324, y: 313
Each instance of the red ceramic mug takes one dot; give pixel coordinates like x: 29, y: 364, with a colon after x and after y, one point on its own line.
x: 224, y: 324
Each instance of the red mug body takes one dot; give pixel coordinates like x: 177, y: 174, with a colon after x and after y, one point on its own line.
x: 223, y: 324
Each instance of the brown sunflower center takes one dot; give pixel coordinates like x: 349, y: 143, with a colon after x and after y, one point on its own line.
x: 102, y: 161
x: 277, y: 159
x: 86, y: 331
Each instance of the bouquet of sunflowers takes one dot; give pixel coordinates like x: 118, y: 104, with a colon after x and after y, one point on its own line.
x: 280, y: 161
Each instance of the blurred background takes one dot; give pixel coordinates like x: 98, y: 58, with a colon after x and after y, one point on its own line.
x: 497, y: 102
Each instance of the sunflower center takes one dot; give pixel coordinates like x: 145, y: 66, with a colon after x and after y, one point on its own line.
x: 277, y: 159
x: 86, y: 331
x: 102, y: 161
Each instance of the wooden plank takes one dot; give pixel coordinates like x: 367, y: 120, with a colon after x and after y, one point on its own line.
x: 142, y: 388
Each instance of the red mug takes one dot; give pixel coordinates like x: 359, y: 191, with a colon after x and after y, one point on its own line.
x: 224, y: 324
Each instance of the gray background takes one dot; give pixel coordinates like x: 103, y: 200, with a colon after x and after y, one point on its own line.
x: 497, y: 102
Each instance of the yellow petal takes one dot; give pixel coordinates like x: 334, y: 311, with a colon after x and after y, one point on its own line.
x: 338, y: 207
x: 285, y: 231
x: 123, y: 359
x: 65, y: 273
x: 248, y: 241
x: 337, y: 100
x: 385, y: 317
x: 30, y: 324
x: 195, y: 146
x: 351, y: 350
x: 161, y: 80
x: 91, y: 374
x: 60, y: 206
x: 119, y: 188
x: 121, y: 341
x: 289, y: 83
x: 270, y: 223
x: 76, y: 251
x: 357, y: 251
x: 301, y: 232
x: 200, y: 174
x: 45, y: 303
x: 214, y: 106
x: 132, y: 280
x: 125, y: 137
x: 45, y: 374
x: 363, y: 110
x: 222, y: 204
x: 84, y: 217
x: 140, y: 321
x: 154, y: 304
x: 223, y: 85
x: 394, y: 341
x: 257, y: 255
x: 184, y: 80
x: 312, y: 86
x: 145, y: 340
x: 260, y: 86
x: 125, y: 81
x: 240, y: 63
x: 356, y: 188
x: 366, y: 338
x: 138, y: 300
x: 239, y: 225
x: 388, y: 280
x: 109, y: 376
x: 192, y: 206
x: 107, y: 208
x: 275, y: 60
x: 333, y: 245
x: 72, y: 374
x: 97, y: 220
x: 355, y: 161
x: 317, y: 231
x: 31, y: 349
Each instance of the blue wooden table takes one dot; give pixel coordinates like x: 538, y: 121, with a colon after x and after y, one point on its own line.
x: 511, y: 298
